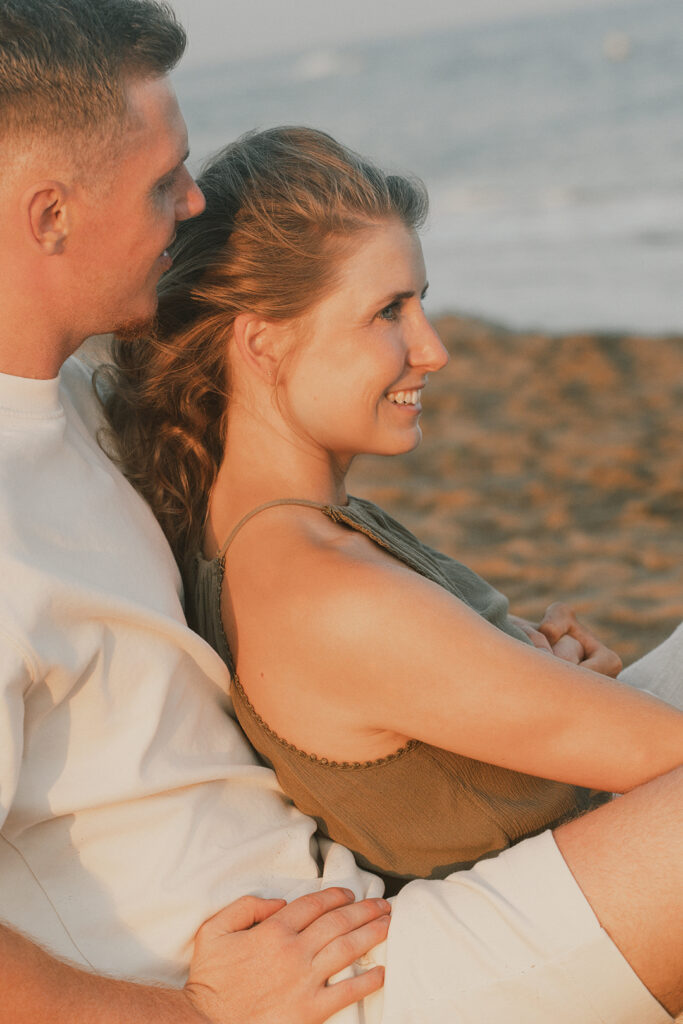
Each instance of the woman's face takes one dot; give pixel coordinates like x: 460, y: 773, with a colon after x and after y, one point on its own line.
x: 353, y: 382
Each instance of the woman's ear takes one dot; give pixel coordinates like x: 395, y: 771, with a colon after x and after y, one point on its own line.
x: 47, y: 214
x: 259, y: 343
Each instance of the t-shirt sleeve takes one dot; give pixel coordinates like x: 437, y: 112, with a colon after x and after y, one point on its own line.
x: 16, y: 675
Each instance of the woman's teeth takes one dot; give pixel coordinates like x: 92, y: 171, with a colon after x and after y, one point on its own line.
x: 404, y: 397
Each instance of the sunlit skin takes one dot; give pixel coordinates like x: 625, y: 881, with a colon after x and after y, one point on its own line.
x: 308, y: 396
x: 82, y: 249
x: 314, y: 612
x: 80, y: 257
x: 353, y: 384
x: 347, y: 653
x: 122, y: 248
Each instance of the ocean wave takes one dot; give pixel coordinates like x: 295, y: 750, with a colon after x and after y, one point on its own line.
x: 324, y: 63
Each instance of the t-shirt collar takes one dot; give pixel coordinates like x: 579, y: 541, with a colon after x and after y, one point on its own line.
x: 29, y: 397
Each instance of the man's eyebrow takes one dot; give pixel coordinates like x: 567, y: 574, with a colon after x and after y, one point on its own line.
x: 174, y: 170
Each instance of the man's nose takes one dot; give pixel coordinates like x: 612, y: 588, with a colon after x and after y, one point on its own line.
x: 192, y: 202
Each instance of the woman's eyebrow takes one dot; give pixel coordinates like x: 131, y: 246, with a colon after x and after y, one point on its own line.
x: 399, y: 296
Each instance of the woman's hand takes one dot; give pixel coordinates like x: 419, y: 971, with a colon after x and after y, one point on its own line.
x: 560, y: 633
x: 269, y: 962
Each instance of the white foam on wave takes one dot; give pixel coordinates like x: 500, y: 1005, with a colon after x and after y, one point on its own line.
x: 319, y: 64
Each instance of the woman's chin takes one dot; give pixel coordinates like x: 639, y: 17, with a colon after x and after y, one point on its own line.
x: 413, y: 436
x: 407, y: 442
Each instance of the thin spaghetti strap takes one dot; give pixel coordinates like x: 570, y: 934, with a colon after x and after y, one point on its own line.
x: 261, y: 508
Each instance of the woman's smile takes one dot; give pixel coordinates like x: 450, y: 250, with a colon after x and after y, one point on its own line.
x: 368, y: 345
x: 406, y: 397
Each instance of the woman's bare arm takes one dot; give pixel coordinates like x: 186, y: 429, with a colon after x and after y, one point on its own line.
x: 445, y: 676
x: 376, y: 654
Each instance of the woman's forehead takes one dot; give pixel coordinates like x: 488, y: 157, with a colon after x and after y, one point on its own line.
x: 386, y: 255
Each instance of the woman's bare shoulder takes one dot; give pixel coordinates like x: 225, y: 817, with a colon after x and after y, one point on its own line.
x: 304, y: 594
x: 300, y: 558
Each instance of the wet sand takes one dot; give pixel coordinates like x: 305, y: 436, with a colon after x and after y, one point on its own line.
x: 553, y: 466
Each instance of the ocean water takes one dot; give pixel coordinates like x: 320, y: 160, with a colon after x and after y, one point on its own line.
x: 552, y: 147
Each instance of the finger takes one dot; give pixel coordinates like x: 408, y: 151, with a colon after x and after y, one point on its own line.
x: 243, y: 913
x: 589, y: 640
x: 351, y: 990
x: 605, y: 661
x: 537, y: 638
x: 597, y: 655
x: 558, y: 620
x: 337, y: 923
x: 569, y: 649
x: 342, y: 951
x: 302, y: 912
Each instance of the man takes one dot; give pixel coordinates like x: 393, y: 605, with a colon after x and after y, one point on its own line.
x: 103, y: 818
x: 131, y: 808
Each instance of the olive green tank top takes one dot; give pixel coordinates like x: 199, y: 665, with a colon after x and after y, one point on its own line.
x: 421, y: 812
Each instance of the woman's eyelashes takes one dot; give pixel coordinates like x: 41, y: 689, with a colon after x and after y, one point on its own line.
x: 393, y: 310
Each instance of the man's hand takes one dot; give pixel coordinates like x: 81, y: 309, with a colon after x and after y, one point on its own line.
x: 275, y: 972
x: 560, y: 633
x: 268, y: 962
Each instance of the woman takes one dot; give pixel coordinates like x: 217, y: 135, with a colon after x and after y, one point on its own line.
x: 386, y: 684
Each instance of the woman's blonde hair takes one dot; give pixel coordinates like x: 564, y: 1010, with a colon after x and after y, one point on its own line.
x: 282, y: 209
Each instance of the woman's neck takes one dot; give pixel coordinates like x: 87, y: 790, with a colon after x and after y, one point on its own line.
x: 261, y: 464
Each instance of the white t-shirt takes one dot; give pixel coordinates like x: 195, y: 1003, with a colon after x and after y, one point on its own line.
x: 131, y: 806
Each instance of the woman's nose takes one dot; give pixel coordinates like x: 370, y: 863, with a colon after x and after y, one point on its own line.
x: 427, y: 349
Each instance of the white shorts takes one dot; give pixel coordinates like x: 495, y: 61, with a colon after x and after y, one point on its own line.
x: 659, y: 671
x: 511, y: 941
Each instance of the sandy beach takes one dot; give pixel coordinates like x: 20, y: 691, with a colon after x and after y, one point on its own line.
x: 554, y: 467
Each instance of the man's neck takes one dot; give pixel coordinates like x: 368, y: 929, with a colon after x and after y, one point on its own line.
x: 39, y: 369
x: 30, y: 348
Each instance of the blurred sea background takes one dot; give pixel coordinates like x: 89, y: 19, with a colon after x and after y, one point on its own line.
x: 551, y: 144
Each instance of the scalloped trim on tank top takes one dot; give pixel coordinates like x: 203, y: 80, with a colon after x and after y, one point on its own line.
x: 324, y: 762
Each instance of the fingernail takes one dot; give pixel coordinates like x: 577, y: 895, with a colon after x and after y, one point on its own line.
x: 350, y: 893
x: 384, y: 905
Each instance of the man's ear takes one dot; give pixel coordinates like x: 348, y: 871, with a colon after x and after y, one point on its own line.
x: 259, y: 343
x: 47, y: 213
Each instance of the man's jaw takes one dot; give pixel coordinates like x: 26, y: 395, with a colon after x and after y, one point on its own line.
x: 136, y: 328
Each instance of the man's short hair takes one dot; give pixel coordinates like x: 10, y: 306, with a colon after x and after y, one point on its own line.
x: 64, y: 63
